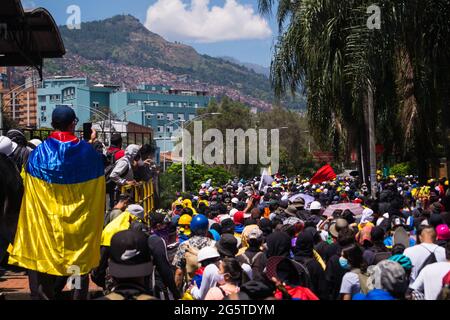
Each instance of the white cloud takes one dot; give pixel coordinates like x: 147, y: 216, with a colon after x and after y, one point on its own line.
x: 178, y: 21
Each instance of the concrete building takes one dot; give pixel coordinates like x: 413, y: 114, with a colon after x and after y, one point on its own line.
x: 88, y: 101
x: 155, y: 106
x: 19, y: 102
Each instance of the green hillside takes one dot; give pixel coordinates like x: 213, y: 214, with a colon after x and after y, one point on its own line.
x: 123, y: 39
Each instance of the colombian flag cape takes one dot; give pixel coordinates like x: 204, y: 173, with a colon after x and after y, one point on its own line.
x: 61, y: 216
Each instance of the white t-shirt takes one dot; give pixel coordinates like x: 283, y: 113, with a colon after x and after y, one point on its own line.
x: 429, y: 280
x: 350, y: 284
x: 419, y: 253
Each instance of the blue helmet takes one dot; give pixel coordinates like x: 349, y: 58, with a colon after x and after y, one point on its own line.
x: 199, y: 222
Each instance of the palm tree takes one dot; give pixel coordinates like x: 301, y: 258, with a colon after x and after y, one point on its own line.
x: 327, y: 46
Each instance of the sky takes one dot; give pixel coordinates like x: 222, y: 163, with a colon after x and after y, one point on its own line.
x: 214, y: 27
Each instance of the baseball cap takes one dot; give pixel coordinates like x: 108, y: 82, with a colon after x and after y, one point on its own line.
x: 63, y: 116
x: 442, y: 232
x: 255, y: 233
x: 234, y: 200
x: 129, y: 255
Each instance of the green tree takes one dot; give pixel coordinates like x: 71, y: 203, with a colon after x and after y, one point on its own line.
x: 327, y: 47
x: 170, y: 181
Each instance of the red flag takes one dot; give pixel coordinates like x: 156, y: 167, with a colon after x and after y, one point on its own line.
x: 325, y: 173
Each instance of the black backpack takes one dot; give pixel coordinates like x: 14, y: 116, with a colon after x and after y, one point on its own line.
x: 251, y: 261
x: 303, y: 272
x: 111, y: 163
x: 429, y: 260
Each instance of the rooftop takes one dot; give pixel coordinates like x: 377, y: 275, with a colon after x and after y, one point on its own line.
x: 28, y: 37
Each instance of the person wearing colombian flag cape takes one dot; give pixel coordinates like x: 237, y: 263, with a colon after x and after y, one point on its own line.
x: 61, y: 217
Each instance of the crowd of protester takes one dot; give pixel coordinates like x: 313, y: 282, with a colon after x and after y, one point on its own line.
x: 248, y: 239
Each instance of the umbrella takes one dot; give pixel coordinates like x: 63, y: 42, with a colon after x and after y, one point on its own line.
x: 355, y: 208
x: 308, y: 199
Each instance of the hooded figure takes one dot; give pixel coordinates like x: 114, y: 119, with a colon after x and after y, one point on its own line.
x: 20, y: 150
x: 278, y: 244
x: 123, y: 170
x: 304, y: 254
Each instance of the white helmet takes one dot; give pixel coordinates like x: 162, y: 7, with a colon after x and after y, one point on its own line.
x: 207, y: 253
x: 315, y: 205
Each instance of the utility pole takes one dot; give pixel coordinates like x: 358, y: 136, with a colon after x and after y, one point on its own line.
x: 183, y: 186
x: 372, y: 153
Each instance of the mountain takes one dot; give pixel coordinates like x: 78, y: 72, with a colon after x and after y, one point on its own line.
x: 123, y: 40
x: 251, y: 66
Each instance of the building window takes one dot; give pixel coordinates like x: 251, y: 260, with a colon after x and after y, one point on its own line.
x: 179, y: 104
x: 55, y: 98
x: 180, y: 116
x: 191, y: 116
x: 43, y: 119
x: 196, y: 105
x: 160, y: 128
x: 170, y: 116
x: 95, y: 104
x: 171, y: 104
x: 69, y: 93
x: 42, y: 98
x: 43, y: 108
x: 160, y: 116
x: 170, y: 129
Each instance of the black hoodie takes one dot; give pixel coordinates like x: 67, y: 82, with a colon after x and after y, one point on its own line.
x: 304, y: 254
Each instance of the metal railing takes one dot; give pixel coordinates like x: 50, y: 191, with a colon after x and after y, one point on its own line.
x: 142, y: 194
x: 139, y: 138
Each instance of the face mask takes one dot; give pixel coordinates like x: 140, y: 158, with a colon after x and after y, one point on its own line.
x: 344, y: 263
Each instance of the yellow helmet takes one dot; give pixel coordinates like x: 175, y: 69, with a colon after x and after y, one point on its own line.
x: 319, y: 190
x: 185, y: 220
x: 446, y: 182
x: 187, y: 203
x: 220, y: 190
x: 178, y: 202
